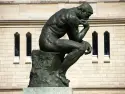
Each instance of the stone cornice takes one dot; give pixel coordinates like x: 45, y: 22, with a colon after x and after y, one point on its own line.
x: 42, y: 22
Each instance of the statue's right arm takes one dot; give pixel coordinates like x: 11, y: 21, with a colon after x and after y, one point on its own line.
x: 74, y: 33
x: 83, y: 32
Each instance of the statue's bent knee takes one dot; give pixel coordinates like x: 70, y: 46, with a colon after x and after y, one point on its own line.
x: 82, y: 49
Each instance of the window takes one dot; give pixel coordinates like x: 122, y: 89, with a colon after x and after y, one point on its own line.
x: 28, y: 44
x: 95, y: 43
x: 106, y: 43
x: 17, y: 44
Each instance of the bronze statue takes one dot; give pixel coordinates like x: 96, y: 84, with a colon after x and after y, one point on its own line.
x: 66, y: 21
x: 48, y: 67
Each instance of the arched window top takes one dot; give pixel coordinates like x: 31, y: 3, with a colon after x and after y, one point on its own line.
x: 16, y: 34
x: 28, y: 34
x: 17, y: 44
x: 106, y: 33
x: 106, y: 43
x: 106, y: 36
x: 28, y: 43
x: 94, y: 32
x: 95, y: 42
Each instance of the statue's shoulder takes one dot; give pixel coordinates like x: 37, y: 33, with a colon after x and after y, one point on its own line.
x: 71, y: 15
x: 72, y: 18
x: 63, y: 10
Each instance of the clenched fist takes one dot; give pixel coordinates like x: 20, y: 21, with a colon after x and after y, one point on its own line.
x: 88, y: 47
x: 84, y: 23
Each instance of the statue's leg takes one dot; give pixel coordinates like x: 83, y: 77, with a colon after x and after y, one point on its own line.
x: 73, y: 57
x: 74, y: 49
x: 70, y: 59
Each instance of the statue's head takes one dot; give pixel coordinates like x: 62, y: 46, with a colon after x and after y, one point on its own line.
x: 85, y: 11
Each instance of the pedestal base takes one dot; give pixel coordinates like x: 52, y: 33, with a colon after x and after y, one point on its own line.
x: 47, y: 90
x: 44, y: 70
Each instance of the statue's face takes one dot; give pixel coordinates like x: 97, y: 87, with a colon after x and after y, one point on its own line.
x: 85, y: 15
x: 85, y: 11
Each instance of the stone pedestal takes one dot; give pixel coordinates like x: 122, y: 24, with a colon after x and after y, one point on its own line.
x: 44, y: 69
x: 47, y: 90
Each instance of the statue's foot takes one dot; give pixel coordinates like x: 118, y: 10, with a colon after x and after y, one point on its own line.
x: 62, y: 77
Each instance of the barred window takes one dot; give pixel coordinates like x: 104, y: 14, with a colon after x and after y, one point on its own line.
x: 17, y: 44
x: 95, y: 43
x: 28, y: 44
x: 106, y: 43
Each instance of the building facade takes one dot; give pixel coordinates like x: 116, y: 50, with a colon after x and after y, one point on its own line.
x: 103, y: 71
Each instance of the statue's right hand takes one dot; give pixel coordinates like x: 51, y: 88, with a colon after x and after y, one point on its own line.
x: 84, y: 23
x: 88, y: 48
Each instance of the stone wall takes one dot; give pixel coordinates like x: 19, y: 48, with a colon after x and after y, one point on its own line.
x: 101, y: 71
x: 99, y: 91
x: 35, y: 11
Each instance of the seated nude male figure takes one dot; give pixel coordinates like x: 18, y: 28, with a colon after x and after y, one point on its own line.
x: 62, y: 22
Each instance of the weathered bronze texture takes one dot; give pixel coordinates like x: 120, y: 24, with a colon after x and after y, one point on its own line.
x: 66, y: 21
